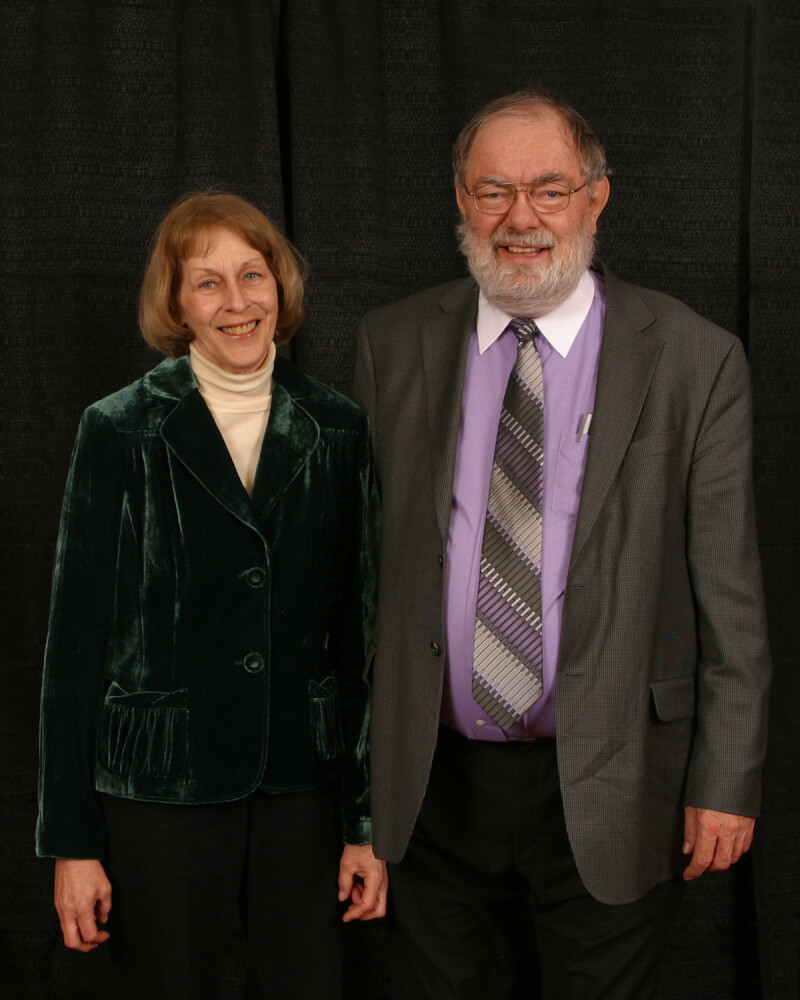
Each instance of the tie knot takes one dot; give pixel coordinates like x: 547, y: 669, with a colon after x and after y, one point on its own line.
x: 524, y: 329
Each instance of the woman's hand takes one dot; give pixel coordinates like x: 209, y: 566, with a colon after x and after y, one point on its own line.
x: 367, y: 895
x: 83, y: 902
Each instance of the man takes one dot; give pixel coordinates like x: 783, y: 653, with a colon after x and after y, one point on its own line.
x: 571, y: 671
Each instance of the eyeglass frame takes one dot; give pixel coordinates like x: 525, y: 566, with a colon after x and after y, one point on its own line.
x: 516, y: 189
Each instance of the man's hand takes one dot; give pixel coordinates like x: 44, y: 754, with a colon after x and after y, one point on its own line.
x: 367, y: 895
x: 716, y: 840
x: 83, y: 902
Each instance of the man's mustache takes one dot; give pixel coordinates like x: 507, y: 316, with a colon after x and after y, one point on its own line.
x: 534, y: 240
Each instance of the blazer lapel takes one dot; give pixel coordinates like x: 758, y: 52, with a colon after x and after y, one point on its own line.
x: 193, y: 437
x: 290, y: 440
x: 191, y: 434
x: 628, y: 359
x: 445, y: 339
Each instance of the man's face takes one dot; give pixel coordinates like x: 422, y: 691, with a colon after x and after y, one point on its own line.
x: 528, y: 263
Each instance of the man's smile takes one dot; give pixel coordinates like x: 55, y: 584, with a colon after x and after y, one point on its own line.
x: 520, y: 250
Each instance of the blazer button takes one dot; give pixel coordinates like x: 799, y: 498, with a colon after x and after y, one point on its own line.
x: 436, y: 649
x: 440, y: 560
x: 255, y: 577
x: 253, y: 663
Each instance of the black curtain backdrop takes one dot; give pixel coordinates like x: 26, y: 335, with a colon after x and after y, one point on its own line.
x: 336, y: 117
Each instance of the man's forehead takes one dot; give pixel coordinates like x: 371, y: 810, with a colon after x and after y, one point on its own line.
x: 543, y: 136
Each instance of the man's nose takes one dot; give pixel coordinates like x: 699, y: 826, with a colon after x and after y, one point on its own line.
x: 521, y: 215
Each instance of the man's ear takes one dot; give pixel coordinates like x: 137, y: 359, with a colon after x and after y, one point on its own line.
x: 462, y: 199
x: 599, y: 199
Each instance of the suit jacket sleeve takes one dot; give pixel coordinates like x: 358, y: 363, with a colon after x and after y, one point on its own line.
x: 734, y: 664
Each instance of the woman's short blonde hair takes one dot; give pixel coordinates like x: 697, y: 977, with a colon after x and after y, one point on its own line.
x: 177, y: 238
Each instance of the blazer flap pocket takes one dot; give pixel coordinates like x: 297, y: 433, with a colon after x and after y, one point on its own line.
x: 326, y: 724
x: 117, y: 695
x: 653, y: 444
x: 674, y: 698
x: 145, y: 733
x: 322, y: 689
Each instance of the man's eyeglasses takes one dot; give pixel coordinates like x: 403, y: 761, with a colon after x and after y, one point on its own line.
x: 497, y: 198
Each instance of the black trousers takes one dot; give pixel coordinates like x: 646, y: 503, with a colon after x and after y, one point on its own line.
x: 181, y: 874
x: 487, y: 904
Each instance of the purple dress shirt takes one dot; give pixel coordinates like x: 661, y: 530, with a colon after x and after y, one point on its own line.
x: 570, y: 380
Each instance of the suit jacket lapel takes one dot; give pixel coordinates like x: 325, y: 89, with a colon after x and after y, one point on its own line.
x: 445, y: 339
x: 628, y: 359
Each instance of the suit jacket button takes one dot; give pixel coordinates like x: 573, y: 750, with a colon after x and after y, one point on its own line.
x: 253, y: 663
x: 440, y: 560
x: 436, y: 649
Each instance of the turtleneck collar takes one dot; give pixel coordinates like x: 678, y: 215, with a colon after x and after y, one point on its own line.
x: 224, y: 390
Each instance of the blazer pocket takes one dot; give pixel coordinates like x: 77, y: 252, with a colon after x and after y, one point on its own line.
x: 326, y: 723
x: 674, y: 698
x: 653, y: 444
x: 145, y: 732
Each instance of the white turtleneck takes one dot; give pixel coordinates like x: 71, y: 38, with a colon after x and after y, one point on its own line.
x: 240, y: 406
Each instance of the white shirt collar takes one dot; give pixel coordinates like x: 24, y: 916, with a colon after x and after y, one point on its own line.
x: 560, y: 326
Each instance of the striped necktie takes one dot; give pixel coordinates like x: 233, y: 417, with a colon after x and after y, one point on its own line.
x: 507, y: 659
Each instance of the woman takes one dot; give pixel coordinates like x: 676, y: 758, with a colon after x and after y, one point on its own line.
x: 204, y: 706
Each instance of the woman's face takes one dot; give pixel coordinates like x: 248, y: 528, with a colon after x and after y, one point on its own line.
x: 228, y: 298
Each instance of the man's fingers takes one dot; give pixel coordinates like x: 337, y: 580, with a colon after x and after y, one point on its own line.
x: 699, y: 864
x: 689, y: 830
x: 716, y: 840
x: 702, y: 855
x: 745, y: 840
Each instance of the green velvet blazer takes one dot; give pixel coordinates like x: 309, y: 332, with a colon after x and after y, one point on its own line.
x: 204, y: 642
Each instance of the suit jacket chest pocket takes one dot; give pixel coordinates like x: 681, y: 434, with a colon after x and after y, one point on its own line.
x: 653, y: 444
x: 649, y: 468
x: 568, y: 476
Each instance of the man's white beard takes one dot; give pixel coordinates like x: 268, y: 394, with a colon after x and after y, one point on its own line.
x: 520, y: 289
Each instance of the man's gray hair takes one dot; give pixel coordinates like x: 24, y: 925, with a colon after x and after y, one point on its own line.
x: 589, y: 149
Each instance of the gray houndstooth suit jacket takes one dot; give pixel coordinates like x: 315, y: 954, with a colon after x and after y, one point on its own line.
x: 664, y: 668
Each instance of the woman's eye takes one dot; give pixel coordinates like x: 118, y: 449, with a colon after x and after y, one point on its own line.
x: 252, y: 276
x: 208, y: 283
